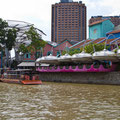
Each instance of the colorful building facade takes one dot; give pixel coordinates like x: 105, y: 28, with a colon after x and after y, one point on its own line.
x: 100, y: 28
x: 112, y: 38
x: 50, y: 48
x: 113, y: 34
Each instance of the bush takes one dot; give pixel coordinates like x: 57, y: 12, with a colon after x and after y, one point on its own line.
x: 91, y: 48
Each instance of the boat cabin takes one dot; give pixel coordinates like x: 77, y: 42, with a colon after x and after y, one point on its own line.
x: 24, y: 76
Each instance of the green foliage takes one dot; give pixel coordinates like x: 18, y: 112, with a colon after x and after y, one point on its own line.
x: 23, y: 49
x: 32, y: 34
x: 95, y: 47
x: 88, y: 49
x: 7, y: 36
x: 99, y: 47
x: 14, y: 64
x: 0, y: 48
x: 72, y: 51
x: 11, y: 37
x: 3, y: 26
x: 115, y: 50
x: 36, y: 41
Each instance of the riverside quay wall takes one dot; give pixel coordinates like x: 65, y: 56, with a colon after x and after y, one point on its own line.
x: 110, y: 78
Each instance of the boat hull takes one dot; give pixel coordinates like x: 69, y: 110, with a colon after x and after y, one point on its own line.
x: 5, y: 80
x: 50, y: 61
x: 108, y: 58
x: 118, y: 56
x: 31, y: 82
x: 77, y: 68
x: 25, y: 82
x: 65, y: 60
x: 82, y: 59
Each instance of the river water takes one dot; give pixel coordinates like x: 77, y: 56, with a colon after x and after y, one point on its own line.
x: 59, y: 101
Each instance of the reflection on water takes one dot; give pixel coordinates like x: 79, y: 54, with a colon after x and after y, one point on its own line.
x: 59, y: 101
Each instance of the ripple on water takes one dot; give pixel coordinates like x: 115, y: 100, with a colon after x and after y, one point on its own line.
x: 54, y: 101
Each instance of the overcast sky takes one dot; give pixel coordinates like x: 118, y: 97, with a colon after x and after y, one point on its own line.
x: 38, y: 12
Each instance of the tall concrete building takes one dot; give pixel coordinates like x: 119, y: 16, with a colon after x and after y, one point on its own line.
x: 68, y: 21
x: 114, y: 19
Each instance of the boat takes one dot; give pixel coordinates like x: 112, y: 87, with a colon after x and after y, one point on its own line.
x: 48, y: 60
x: 82, y: 57
x: 51, y: 59
x: 40, y: 60
x: 101, y: 67
x: 105, y: 55
x: 65, y: 58
x: 118, y: 53
x: 21, y: 76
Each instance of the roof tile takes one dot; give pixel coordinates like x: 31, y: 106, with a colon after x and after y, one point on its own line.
x: 115, y: 31
x: 97, y: 22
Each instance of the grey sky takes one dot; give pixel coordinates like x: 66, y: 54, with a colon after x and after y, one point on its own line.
x: 38, y: 12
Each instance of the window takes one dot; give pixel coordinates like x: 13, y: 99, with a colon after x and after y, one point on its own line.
x: 27, y: 55
x: 38, y: 54
x: 48, y: 53
x: 58, y: 53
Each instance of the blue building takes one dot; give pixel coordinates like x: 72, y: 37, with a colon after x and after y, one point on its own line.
x: 113, y: 34
x: 99, y: 29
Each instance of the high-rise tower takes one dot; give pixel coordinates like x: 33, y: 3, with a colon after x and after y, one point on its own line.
x: 68, y: 21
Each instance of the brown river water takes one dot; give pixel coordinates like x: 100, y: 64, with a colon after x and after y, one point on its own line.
x: 59, y: 101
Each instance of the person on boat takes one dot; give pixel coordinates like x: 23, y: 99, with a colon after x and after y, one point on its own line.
x: 30, y: 75
x: 107, y: 64
x: 27, y: 77
x: 5, y: 74
x: 96, y: 63
x: 22, y: 77
x: 2, y: 71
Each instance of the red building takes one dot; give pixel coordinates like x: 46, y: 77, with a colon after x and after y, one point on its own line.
x: 50, y: 48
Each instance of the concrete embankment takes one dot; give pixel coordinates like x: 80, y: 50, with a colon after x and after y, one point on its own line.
x: 111, y: 78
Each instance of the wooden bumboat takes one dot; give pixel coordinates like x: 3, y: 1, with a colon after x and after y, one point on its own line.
x: 26, y: 77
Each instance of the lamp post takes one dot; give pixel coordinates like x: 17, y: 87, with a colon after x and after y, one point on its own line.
x: 107, y: 39
x: 1, y: 53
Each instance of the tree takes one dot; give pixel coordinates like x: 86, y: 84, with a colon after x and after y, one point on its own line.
x: 7, y: 38
x: 36, y: 41
x: 7, y: 35
x: 11, y: 37
x: 23, y: 49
